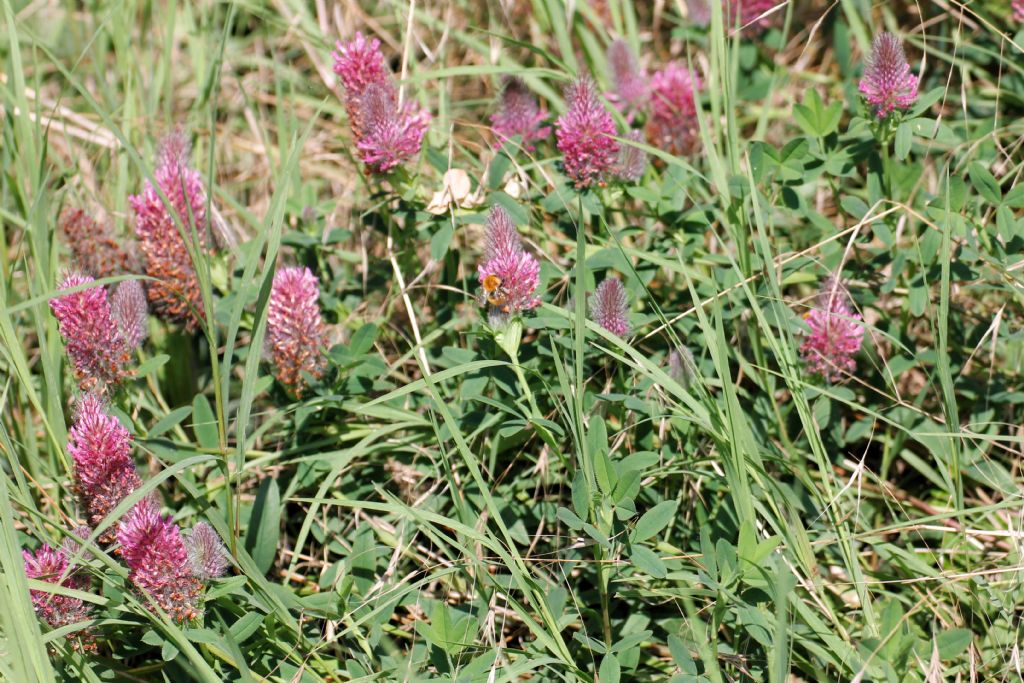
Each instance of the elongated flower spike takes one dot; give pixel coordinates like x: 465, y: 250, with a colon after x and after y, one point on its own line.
x: 130, y: 311
x: 629, y: 80
x: 751, y: 15
x: 519, y: 114
x: 836, y: 334
x: 157, y: 558
x: 95, y: 249
x: 98, y: 351
x: 888, y: 84
x: 387, y: 132
x: 586, y: 136
x: 609, y: 306
x: 509, y: 276
x: 51, y: 565
x: 206, y: 552
x: 296, y: 338
x: 390, y: 133
x: 175, y: 294
x: 672, y: 121
x: 104, y: 473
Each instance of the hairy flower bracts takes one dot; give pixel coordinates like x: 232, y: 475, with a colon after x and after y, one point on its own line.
x: 585, y: 136
x: 519, y: 114
x: 387, y: 132
x: 672, y: 121
x: 175, y: 294
x: 153, y: 549
x: 888, y: 84
x: 97, y: 349
x: 104, y: 472
x: 206, y: 553
x: 130, y: 311
x: 51, y: 565
x: 835, y: 336
x: 609, y: 307
x: 509, y: 276
x: 629, y: 82
x: 95, y: 249
x: 296, y: 337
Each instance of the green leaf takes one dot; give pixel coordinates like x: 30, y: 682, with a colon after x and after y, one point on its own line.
x: 264, y: 530
x: 169, y: 421
x: 204, y: 424
x: 580, y: 495
x: 362, y: 339
x: 440, y: 241
x: 904, y: 138
x: 985, y: 183
x: 654, y: 520
x: 953, y: 643
x: 648, y: 561
x: 569, y: 518
x: 1015, y: 197
x: 152, y: 364
x: 610, y: 671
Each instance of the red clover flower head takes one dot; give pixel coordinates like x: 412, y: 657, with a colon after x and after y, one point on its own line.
x: 632, y: 160
x: 672, y: 123
x: 359, y: 63
x: 51, y: 565
x: 509, y: 276
x: 175, y: 293
x: 95, y: 249
x: 95, y: 346
x: 390, y: 133
x: 130, y: 310
x: 888, y: 84
x: 206, y: 552
x: 101, y: 449
x: 585, y: 135
x: 157, y: 558
x: 1018, y: 10
x: 628, y: 79
x: 609, y: 306
x: 519, y: 114
x: 835, y: 336
x: 296, y: 337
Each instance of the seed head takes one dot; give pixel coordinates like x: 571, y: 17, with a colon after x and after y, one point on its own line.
x: 296, y: 337
x: 519, y: 114
x: 672, y: 123
x: 175, y: 293
x: 887, y: 84
x: 97, y: 350
x: 609, y: 307
x: 130, y: 311
x: 95, y: 249
x: 206, y: 552
x: 836, y: 333
x: 101, y: 449
x: 585, y: 135
x: 155, y: 553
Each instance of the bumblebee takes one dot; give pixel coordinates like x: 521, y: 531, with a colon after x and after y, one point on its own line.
x: 492, y: 292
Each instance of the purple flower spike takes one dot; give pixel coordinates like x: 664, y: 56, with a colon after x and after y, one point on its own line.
x: 296, y: 337
x: 509, y: 276
x: 102, y: 452
x: 750, y: 14
x: 836, y: 334
x: 130, y: 310
x: 96, y: 348
x: 629, y: 80
x: 609, y: 307
x: 672, y: 124
x: 175, y: 293
x: 359, y: 63
x: 519, y: 114
x: 585, y: 134
x: 155, y: 553
x: 389, y: 133
x: 632, y: 160
x: 95, y: 249
x: 51, y: 566
x: 887, y: 84
x: 206, y: 552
